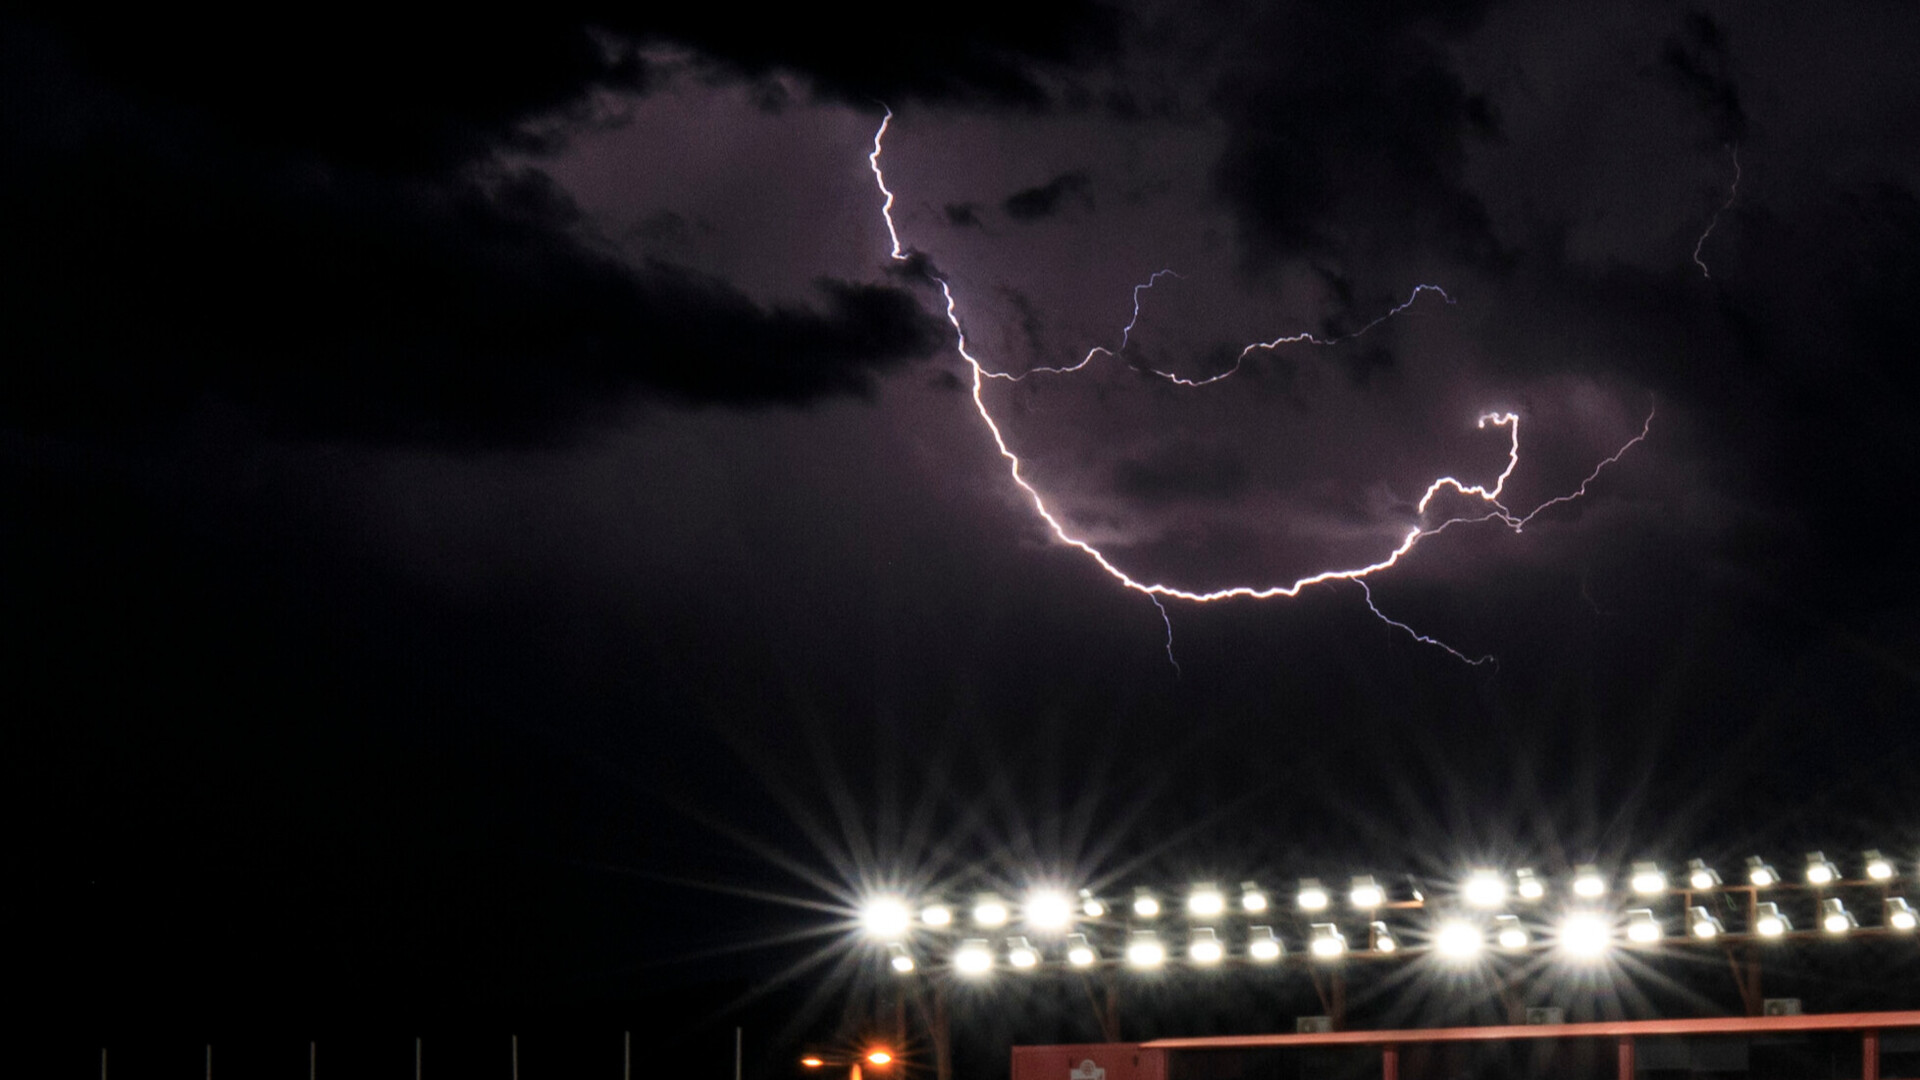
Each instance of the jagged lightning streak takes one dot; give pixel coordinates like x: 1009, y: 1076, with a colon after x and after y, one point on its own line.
x: 1489, y: 496
x: 1733, y: 193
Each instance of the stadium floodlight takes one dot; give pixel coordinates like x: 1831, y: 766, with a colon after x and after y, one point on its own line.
x: 973, y: 957
x: 1879, y: 867
x: 1508, y: 931
x: 1589, y: 882
x: 1204, y: 947
x: 1048, y: 909
x: 1834, y: 916
x: 1092, y: 906
x: 1900, y: 914
x: 1383, y: 939
x: 1145, y: 904
x: 1325, y: 940
x: 1080, y: 952
x: 1529, y: 886
x: 1642, y: 927
x: 1021, y: 953
x: 879, y: 1057
x: 1761, y: 872
x: 1819, y: 870
x: 1205, y: 901
x: 1145, y: 950
x: 1769, y: 922
x: 1648, y: 878
x: 1702, y: 924
x: 937, y: 915
x: 1253, y: 899
x: 1701, y: 876
x: 885, y: 918
x: 899, y: 958
x: 1458, y: 939
x: 1262, y: 944
x: 1366, y: 893
x: 1586, y: 935
x: 1313, y: 895
x: 990, y: 910
x: 1485, y: 889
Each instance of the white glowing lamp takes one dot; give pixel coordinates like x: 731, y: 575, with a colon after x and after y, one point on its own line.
x: 1458, y: 939
x: 1509, y: 933
x: 1383, y: 939
x: 1047, y: 909
x: 1879, y: 867
x: 1206, y: 901
x: 1145, y: 951
x: 1701, y: 876
x: 1642, y: 927
x: 1835, y: 918
x: 1819, y: 870
x: 1366, y: 893
x: 1528, y: 885
x: 1313, y: 895
x: 1589, y: 882
x: 1145, y: 904
x: 1092, y: 906
x: 990, y: 910
x: 1900, y: 914
x: 1021, y: 953
x: 1080, y: 952
x: 1648, y: 879
x: 899, y: 959
x: 1262, y: 944
x: 1204, y: 947
x: 937, y: 915
x: 1325, y: 940
x: 1485, y: 889
x: 973, y: 957
x: 1253, y: 899
x: 885, y: 918
x: 1702, y: 924
x: 1586, y: 936
x: 1769, y: 922
x: 1761, y: 872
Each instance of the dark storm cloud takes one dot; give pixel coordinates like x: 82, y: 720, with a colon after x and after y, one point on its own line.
x: 963, y: 215
x: 1697, y: 59
x: 1347, y: 130
x: 1185, y: 470
x: 354, y: 264
x: 1051, y: 197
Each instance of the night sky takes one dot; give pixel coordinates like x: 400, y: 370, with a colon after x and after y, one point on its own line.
x: 491, y: 532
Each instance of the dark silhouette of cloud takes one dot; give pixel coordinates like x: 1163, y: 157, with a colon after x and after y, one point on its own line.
x: 1050, y: 198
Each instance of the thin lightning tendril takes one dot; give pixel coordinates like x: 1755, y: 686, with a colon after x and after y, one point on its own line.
x: 1489, y: 496
x: 1733, y: 193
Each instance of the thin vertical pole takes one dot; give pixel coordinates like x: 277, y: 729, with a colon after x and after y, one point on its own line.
x: 942, y: 1036
x: 739, y: 1042
x: 103, y: 1063
x: 1626, y: 1057
x: 416, y: 1057
x: 209, y: 1061
x: 313, y: 1061
x: 1869, y: 1055
x: 516, y: 1057
x: 1389, y: 1063
x: 626, y: 1056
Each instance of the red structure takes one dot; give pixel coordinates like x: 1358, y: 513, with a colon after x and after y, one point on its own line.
x: 1153, y: 1060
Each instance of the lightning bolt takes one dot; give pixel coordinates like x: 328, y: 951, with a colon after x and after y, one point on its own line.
x: 1489, y: 496
x: 1733, y: 193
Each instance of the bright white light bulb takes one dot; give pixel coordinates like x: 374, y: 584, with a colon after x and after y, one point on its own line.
x: 1768, y: 922
x: 1820, y: 875
x: 886, y: 918
x: 1146, y: 906
x: 1701, y: 880
x: 973, y: 957
x: 1485, y: 889
x: 1459, y: 940
x: 1253, y: 901
x: 1529, y: 887
x: 1206, y: 950
x: 1264, y: 949
x: 1589, y: 883
x: 1049, y: 910
x: 1145, y: 951
x: 1206, y: 901
x: 1023, y: 956
x: 902, y: 963
x: 1838, y: 924
x: 1511, y: 934
x: 1313, y: 897
x: 990, y: 912
x: 937, y: 915
x: 1647, y: 879
x: 1366, y: 894
x: 1900, y: 914
x: 1642, y: 927
x: 1080, y: 956
x: 1585, y: 936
